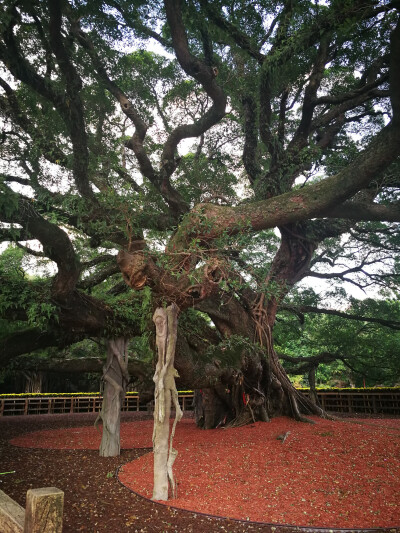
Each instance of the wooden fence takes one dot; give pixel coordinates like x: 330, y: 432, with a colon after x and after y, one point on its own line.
x: 41, y: 405
x: 364, y: 401
x: 367, y: 401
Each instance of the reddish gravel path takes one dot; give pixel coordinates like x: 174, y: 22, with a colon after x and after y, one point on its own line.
x: 331, y: 474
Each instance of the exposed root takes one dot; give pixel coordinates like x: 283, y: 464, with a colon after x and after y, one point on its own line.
x: 97, y: 421
x: 243, y: 419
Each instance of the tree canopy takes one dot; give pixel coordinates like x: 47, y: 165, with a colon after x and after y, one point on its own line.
x: 217, y: 154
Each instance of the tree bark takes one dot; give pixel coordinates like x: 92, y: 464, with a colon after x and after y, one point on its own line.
x: 166, y: 321
x: 259, y: 388
x: 34, y: 381
x: 313, y: 388
x: 116, y: 378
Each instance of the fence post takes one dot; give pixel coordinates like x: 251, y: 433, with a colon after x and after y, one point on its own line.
x: 349, y: 403
x: 44, y: 510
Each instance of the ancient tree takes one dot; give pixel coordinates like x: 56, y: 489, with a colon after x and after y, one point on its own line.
x: 257, y: 148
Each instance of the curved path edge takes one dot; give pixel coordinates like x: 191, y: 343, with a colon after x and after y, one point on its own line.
x: 269, y: 527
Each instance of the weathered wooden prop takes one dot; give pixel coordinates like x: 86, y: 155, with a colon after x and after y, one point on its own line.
x: 43, y: 513
x: 116, y: 379
x: 166, y: 321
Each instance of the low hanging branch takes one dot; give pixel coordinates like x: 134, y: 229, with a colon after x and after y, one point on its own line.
x: 166, y: 321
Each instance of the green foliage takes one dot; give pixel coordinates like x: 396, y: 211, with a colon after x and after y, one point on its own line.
x: 134, y: 194
x: 11, y: 260
x: 8, y: 199
x: 194, y: 181
x: 22, y: 297
x: 233, y: 351
x: 364, y: 350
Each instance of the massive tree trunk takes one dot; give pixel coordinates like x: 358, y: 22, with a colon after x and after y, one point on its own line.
x: 166, y: 321
x: 254, y: 386
x: 34, y: 381
x: 116, y: 378
x: 258, y: 388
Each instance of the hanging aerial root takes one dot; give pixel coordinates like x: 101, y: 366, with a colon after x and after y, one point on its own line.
x: 172, y: 454
x: 243, y: 419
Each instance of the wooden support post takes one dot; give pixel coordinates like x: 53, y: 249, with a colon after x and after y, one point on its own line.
x: 349, y: 403
x: 165, y: 393
x: 374, y: 408
x: 44, y: 510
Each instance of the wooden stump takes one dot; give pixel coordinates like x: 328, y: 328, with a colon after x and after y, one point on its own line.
x: 43, y: 514
x: 44, y: 510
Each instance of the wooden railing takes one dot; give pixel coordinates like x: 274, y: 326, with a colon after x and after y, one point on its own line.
x: 40, y: 405
x: 367, y: 401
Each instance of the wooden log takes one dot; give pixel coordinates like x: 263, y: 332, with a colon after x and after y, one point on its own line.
x: 44, y: 510
x: 11, y: 515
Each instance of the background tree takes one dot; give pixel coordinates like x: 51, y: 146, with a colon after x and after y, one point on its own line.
x: 364, y: 349
x: 294, y: 112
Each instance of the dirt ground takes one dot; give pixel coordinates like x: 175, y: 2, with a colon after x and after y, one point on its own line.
x: 95, y: 501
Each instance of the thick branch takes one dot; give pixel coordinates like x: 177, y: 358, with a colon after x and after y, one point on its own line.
x: 21, y: 69
x: 56, y: 245
x: 201, y: 72
x: 98, y: 277
x: 240, y: 38
x: 363, y: 211
x: 136, y: 368
x: 312, y: 88
x: 48, y: 147
x: 33, y: 339
x: 298, y: 205
x: 250, y: 161
x: 136, y: 142
x: 305, y: 364
x: 73, y: 113
x: 392, y: 324
x: 394, y: 73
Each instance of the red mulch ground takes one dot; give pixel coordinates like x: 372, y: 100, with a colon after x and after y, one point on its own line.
x: 331, y: 474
